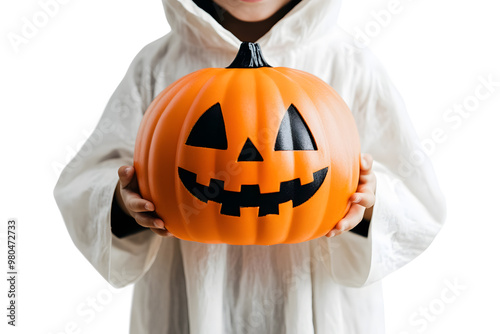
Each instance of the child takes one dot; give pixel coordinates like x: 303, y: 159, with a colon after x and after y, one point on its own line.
x: 326, y: 285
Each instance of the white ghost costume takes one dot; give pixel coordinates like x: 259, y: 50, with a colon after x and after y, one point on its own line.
x: 326, y: 285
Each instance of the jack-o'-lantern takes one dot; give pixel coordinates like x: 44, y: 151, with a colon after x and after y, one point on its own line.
x: 248, y: 154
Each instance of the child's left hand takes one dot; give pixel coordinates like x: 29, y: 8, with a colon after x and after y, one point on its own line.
x: 362, y: 200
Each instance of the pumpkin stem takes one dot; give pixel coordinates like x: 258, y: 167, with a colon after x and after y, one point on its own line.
x: 249, y: 56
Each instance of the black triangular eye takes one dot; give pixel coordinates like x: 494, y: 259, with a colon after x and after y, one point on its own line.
x: 294, y: 135
x: 209, y: 131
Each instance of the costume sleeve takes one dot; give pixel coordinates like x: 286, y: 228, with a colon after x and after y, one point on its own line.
x: 409, y: 207
x: 84, y: 192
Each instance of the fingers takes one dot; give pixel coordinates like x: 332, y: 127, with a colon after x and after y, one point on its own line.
x: 126, y: 174
x: 154, y: 223
x: 362, y: 199
x: 139, y: 208
x: 351, y: 219
x: 162, y: 233
x: 148, y: 220
x: 142, y: 211
x: 366, y: 200
x: 365, y: 193
x: 136, y: 203
x: 132, y: 200
x: 366, y: 163
x: 127, y: 177
x: 366, y: 178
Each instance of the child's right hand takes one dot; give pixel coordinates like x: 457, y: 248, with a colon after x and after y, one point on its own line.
x: 132, y: 203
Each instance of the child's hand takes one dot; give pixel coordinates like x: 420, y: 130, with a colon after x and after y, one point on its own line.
x: 362, y: 201
x: 131, y: 202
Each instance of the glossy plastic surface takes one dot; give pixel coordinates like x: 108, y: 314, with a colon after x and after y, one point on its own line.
x: 205, y: 191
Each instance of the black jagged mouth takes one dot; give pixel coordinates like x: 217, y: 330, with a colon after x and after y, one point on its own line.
x: 250, y: 195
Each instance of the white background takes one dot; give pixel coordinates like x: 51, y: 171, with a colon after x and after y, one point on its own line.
x: 55, y: 86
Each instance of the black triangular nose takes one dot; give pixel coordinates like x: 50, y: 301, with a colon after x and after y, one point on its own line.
x: 249, y: 152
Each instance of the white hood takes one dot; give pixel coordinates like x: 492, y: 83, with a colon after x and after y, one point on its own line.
x: 306, y: 22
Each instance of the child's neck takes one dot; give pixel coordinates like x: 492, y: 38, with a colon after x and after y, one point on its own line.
x: 246, y: 31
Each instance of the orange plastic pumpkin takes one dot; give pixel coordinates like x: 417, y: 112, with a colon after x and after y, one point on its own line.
x: 248, y: 154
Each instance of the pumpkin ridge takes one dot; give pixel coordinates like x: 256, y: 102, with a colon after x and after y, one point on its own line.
x: 255, y: 74
x: 268, y: 74
x: 329, y: 159
x: 181, y: 141
x: 231, y: 75
x: 279, y: 71
x: 178, y: 95
x: 142, y: 147
x: 199, y: 96
x: 309, y: 78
